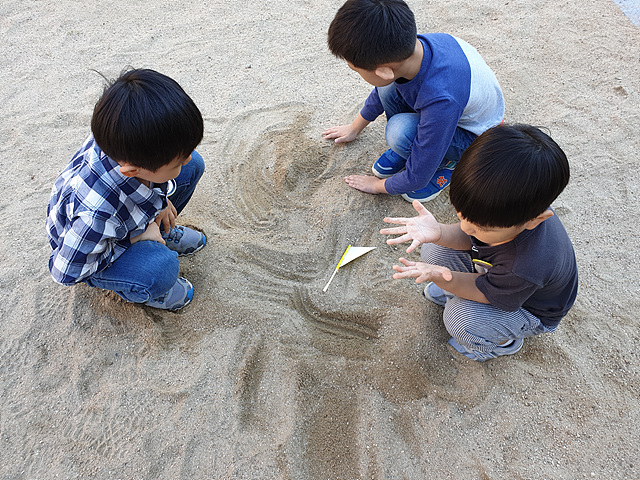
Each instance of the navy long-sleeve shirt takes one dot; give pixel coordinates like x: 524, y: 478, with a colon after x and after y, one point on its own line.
x: 454, y: 88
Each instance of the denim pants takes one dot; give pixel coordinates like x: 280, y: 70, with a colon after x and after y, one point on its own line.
x: 148, y: 269
x: 402, y: 126
x: 478, y: 326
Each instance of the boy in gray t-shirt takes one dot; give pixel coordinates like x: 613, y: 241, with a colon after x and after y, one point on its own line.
x: 507, y: 270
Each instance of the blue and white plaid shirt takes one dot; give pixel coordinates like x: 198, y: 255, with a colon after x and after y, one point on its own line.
x: 93, y: 212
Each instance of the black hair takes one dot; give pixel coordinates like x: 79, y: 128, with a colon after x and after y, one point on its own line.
x: 146, y: 119
x: 509, y: 175
x: 369, y: 33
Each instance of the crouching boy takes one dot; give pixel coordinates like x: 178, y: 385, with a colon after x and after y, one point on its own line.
x: 507, y: 270
x: 111, y: 218
x: 436, y: 90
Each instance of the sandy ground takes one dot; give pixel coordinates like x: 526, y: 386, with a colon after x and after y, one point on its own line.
x: 264, y: 376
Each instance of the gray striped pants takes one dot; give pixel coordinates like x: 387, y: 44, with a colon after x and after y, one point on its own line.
x: 478, y: 326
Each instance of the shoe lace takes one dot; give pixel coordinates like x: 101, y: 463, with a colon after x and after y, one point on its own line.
x: 161, y: 298
x: 174, y: 235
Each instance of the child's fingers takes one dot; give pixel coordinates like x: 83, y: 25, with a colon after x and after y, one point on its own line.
x: 396, y: 220
x: 406, y: 262
x: 402, y: 239
x: 407, y: 273
x: 402, y: 269
x: 415, y: 244
x: 393, y: 231
x: 419, y: 208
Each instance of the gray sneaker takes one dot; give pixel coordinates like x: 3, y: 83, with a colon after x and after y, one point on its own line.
x: 184, y: 240
x: 510, y: 349
x: 178, y: 296
x: 435, y: 294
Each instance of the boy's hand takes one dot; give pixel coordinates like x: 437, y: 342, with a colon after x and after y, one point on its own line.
x: 346, y: 133
x: 341, y: 134
x: 167, y: 217
x: 421, y: 229
x: 366, y: 183
x: 151, y: 233
x: 422, y: 272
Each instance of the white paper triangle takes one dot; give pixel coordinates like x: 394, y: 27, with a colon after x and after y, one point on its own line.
x: 351, y: 253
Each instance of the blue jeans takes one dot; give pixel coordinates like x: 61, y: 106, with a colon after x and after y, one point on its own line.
x: 402, y: 126
x: 186, y: 182
x: 148, y: 269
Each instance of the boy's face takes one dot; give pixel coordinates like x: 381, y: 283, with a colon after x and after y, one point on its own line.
x: 165, y: 173
x: 373, y: 77
x: 490, y: 235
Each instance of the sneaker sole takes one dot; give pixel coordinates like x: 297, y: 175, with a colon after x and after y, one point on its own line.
x: 190, y: 293
x: 381, y: 175
x: 489, y: 355
x: 421, y: 200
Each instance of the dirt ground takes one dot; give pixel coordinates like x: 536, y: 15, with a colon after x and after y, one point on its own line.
x: 263, y: 376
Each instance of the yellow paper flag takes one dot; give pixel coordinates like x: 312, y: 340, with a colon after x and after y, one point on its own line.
x: 351, y: 253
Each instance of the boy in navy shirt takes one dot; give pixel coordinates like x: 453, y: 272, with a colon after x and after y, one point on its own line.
x: 507, y: 270
x: 436, y: 90
x: 111, y: 218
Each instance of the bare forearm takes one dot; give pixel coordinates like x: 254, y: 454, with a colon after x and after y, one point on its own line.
x: 453, y: 237
x: 463, y: 285
x: 358, y: 124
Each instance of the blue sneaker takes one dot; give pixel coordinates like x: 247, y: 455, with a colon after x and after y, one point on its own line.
x: 178, y: 296
x: 184, y: 240
x: 439, y: 181
x: 509, y: 349
x: 388, y: 164
x: 435, y: 294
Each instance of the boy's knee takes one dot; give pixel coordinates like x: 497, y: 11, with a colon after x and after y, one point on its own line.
x: 462, y: 321
x: 431, y: 253
x: 146, y: 270
x: 456, y: 260
x: 401, y: 131
x: 454, y: 316
x: 196, y: 164
x: 160, y: 269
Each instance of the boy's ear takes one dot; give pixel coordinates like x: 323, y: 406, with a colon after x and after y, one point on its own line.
x: 385, y: 72
x: 531, y: 224
x: 129, y: 170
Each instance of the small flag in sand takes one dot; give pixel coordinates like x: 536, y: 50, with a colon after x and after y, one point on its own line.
x: 351, y: 253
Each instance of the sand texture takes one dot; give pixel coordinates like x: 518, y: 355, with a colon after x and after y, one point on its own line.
x: 264, y: 376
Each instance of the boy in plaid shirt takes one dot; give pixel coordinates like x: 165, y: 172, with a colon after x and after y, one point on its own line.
x: 110, y: 221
